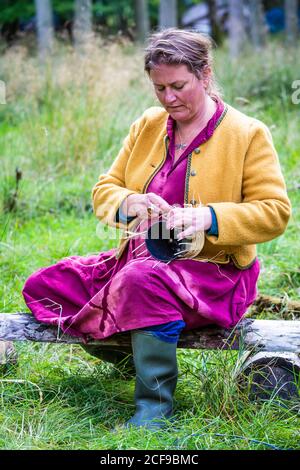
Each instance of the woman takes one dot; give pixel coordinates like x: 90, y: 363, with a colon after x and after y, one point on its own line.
x: 201, y: 165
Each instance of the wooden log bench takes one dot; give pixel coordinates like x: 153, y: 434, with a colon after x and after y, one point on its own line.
x: 272, y: 348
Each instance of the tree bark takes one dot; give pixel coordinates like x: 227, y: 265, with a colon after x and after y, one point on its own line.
x: 168, y: 14
x: 266, y: 375
x: 237, y: 35
x: 216, y: 32
x: 291, y: 21
x: 82, y: 31
x: 142, y: 20
x: 44, y: 26
x: 8, y: 354
x: 288, y: 309
x: 264, y: 335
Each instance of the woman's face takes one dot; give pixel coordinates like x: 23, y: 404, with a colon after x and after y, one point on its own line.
x: 179, y: 91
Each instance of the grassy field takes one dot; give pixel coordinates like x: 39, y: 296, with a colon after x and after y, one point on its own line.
x: 61, y: 127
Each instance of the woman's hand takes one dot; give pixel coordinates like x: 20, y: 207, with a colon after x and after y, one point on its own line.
x: 190, y: 219
x: 144, y: 205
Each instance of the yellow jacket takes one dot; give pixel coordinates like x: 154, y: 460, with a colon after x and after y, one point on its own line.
x: 237, y: 172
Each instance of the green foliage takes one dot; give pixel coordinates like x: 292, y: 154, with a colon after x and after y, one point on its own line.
x: 114, y: 14
x: 64, y: 9
x: 111, y: 13
x: 13, y: 10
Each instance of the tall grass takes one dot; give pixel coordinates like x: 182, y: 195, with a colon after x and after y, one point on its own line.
x: 62, y: 126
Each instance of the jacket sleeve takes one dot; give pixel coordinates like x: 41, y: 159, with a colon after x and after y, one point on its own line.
x: 110, y: 191
x: 265, y: 209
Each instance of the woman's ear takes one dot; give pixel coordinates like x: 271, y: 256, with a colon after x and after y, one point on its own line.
x: 206, y: 75
x: 206, y: 71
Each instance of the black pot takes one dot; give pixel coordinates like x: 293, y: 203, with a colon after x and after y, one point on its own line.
x: 162, y: 243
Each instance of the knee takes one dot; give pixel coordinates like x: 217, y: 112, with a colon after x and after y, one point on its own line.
x: 136, y: 273
x: 31, y: 282
x: 36, y: 283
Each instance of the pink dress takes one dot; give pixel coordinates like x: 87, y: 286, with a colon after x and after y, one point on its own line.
x: 98, y: 296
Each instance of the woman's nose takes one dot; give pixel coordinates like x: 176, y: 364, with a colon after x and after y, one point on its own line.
x: 169, y: 97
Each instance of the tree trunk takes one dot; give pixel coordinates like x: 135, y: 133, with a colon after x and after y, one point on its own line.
x: 82, y: 31
x: 216, y: 32
x: 142, y: 20
x: 257, y: 24
x: 265, y: 335
x: 237, y: 35
x: 8, y: 354
x: 287, y: 309
x: 291, y: 21
x: 266, y: 375
x: 167, y: 14
x: 44, y: 26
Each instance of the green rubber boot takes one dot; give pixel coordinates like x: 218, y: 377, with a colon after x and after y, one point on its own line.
x: 122, y: 358
x: 156, y: 378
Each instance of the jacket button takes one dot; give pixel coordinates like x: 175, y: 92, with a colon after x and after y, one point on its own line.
x: 193, y: 202
x: 197, y: 150
x: 193, y: 173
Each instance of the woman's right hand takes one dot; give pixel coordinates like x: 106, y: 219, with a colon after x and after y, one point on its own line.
x: 144, y: 205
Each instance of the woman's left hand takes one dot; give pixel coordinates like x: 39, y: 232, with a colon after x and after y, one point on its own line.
x: 190, y: 219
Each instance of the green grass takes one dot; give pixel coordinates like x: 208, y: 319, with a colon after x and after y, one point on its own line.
x: 62, y: 129
x: 67, y: 400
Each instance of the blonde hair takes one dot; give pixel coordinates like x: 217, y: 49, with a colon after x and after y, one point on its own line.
x: 174, y: 46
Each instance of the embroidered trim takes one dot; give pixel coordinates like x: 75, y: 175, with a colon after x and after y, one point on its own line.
x: 159, y: 166
x: 222, y: 116
x: 187, y: 179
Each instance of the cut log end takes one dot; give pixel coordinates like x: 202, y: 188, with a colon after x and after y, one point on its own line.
x: 268, y: 376
x: 8, y: 354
